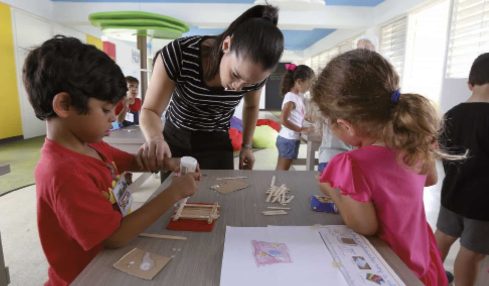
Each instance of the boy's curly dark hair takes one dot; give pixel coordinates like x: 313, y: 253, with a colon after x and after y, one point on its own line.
x: 64, y: 64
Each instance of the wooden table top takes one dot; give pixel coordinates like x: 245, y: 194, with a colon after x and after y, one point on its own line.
x: 198, y: 260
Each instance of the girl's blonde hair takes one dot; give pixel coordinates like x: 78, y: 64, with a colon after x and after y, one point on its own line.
x: 362, y: 87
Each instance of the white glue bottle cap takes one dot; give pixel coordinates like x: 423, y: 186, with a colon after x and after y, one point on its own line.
x: 187, y: 165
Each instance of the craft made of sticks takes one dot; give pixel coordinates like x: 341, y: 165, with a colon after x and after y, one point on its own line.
x: 197, y: 212
x: 279, y: 195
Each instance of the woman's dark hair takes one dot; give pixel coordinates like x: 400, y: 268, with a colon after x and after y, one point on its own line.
x: 64, y: 64
x: 254, y: 35
x: 479, y: 72
x: 301, y: 72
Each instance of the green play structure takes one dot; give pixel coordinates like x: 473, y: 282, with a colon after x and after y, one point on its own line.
x: 143, y: 25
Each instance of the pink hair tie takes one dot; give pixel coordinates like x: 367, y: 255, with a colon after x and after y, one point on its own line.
x: 290, y: 67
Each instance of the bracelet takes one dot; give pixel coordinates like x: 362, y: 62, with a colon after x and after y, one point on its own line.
x: 248, y: 146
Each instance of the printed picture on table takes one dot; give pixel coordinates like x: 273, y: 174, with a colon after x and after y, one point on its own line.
x: 348, y: 240
x: 267, y: 253
x: 361, y: 262
x: 375, y: 278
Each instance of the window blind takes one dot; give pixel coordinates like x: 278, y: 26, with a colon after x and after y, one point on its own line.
x: 469, y: 35
x: 393, y: 43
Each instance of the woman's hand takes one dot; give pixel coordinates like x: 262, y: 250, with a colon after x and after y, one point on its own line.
x: 152, y: 154
x: 246, y: 159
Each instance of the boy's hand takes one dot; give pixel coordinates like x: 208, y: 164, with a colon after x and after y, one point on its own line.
x: 171, y: 164
x: 184, y: 186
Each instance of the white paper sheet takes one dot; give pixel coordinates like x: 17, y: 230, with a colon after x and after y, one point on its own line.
x: 311, y: 264
x: 360, y: 263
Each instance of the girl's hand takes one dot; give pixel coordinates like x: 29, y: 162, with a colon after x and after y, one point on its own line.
x: 326, y: 188
x: 306, y: 130
x: 153, y: 154
x: 246, y: 159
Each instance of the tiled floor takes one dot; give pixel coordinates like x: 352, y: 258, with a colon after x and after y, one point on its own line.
x: 28, y: 266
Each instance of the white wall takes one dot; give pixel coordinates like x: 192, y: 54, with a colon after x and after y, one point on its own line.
x: 454, y: 91
x: 127, y: 57
x: 29, y: 32
x: 42, y: 8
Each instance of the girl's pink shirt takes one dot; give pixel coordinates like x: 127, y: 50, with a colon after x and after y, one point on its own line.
x: 373, y: 174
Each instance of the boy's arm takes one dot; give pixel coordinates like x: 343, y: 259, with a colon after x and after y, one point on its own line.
x: 358, y: 216
x: 138, y: 221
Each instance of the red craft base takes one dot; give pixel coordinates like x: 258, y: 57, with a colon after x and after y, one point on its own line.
x: 190, y: 225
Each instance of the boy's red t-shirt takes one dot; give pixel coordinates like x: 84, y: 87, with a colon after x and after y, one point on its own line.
x: 135, y: 107
x: 75, y: 214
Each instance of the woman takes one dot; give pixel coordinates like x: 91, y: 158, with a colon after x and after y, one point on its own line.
x: 202, y: 79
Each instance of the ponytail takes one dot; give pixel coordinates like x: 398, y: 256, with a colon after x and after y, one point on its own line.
x: 292, y: 74
x: 414, y: 130
x: 255, y: 34
x: 287, y: 82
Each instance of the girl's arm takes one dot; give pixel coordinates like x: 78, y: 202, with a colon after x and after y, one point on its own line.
x: 431, y: 176
x: 155, y: 102
x: 250, y: 115
x: 358, y: 216
x: 284, y: 117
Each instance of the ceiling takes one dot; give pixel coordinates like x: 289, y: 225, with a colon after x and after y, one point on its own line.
x: 369, y: 3
x: 302, y: 25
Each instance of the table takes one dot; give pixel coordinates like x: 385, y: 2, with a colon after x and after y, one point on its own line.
x: 4, y: 169
x: 128, y: 138
x: 4, y: 273
x: 199, y: 261
x: 313, y: 141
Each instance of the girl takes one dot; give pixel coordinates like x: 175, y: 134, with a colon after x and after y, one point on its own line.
x: 378, y: 188
x: 296, y: 81
x: 206, y: 77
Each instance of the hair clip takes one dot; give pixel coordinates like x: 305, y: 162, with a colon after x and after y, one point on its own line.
x: 290, y: 67
x: 395, y: 96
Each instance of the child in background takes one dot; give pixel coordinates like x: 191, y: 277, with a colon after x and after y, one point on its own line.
x: 74, y: 87
x: 465, y: 192
x: 330, y: 147
x: 127, y: 110
x: 296, y: 81
x: 378, y: 188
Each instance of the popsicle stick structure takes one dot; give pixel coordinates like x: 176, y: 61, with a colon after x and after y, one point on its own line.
x: 279, y: 195
x: 207, y: 212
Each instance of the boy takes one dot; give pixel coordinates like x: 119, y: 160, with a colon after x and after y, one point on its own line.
x: 464, y: 213
x: 74, y: 87
x: 127, y: 110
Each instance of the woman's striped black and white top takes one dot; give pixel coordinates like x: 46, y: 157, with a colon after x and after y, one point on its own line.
x: 195, y: 106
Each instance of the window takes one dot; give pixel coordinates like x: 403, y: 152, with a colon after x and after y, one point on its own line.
x: 393, y: 43
x: 425, y: 50
x: 468, y: 35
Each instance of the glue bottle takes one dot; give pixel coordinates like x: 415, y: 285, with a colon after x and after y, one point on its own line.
x: 187, y: 165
